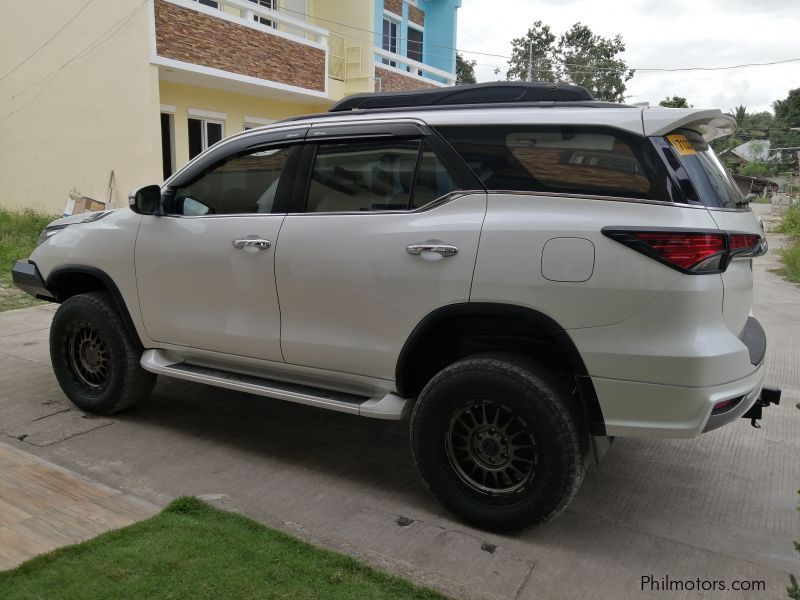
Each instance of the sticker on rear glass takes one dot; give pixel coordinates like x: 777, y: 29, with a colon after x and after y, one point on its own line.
x: 681, y: 144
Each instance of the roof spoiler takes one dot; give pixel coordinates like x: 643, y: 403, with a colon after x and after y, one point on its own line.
x: 710, y: 123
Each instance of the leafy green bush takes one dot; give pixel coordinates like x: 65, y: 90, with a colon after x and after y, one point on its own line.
x: 791, y: 221
x: 19, y: 231
x: 791, y: 262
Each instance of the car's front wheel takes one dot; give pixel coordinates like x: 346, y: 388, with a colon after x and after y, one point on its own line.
x: 94, y: 358
x: 498, y: 441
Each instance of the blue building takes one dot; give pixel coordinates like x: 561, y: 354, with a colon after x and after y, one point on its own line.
x: 415, y: 43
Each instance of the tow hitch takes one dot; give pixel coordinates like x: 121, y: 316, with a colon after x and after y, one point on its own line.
x: 769, y: 395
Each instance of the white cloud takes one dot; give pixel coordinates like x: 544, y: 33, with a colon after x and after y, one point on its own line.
x: 659, y: 34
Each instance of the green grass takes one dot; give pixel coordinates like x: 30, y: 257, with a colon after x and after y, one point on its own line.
x: 791, y: 262
x: 192, y: 550
x: 18, y: 234
x: 790, y: 224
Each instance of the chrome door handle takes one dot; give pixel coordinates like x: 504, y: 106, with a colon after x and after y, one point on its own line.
x: 442, y: 249
x: 252, y: 243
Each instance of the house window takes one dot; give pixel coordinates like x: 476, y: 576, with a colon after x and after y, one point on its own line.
x: 211, y: 3
x: 203, y: 133
x: 415, y: 46
x: 271, y: 5
x: 390, y: 28
x: 167, y: 144
x: 253, y: 122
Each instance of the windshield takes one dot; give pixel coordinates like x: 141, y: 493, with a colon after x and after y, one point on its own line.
x: 712, y: 181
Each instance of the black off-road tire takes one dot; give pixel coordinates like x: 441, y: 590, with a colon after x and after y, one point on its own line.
x: 553, y: 431
x: 94, y: 358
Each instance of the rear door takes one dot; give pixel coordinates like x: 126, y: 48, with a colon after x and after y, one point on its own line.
x: 379, y: 236
x: 713, y: 185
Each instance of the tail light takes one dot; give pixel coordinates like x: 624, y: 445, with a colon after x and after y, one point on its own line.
x: 748, y: 244
x: 692, y: 252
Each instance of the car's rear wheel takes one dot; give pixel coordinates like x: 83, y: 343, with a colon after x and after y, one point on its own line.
x: 499, y: 442
x: 94, y: 358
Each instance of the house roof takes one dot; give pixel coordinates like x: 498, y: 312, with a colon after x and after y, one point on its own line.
x: 752, y: 151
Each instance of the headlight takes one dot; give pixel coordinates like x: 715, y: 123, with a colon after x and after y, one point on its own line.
x: 49, y: 232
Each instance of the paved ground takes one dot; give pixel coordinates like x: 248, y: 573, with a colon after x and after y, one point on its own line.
x: 721, y: 507
x: 43, y: 506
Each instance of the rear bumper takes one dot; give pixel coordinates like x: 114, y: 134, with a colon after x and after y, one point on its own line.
x: 637, y: 409
x: 26, y: 277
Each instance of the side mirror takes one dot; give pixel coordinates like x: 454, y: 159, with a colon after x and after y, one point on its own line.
x: 146, y: 200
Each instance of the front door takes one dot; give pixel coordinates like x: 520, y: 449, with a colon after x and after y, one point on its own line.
x: 383, y: 239
x: 206, y: 269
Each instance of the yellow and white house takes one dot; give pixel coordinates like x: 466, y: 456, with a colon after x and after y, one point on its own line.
x: 138, y: 87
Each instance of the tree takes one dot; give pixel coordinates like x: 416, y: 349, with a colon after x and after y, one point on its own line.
x: 536, y: 49
x: 759, y: 125
x: 757, y: 169
x: 578, y: 56
x: 674, y: 102
x: 465, y: 70
x: 787, y: 116
x: 787, y: 111
x: 739, y: 114
x: 591, y: 61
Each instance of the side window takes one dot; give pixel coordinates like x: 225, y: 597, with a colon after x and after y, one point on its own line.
x: 376, y: 176
x: 565, y: 159
x: 362, y: 176
x: 240, y: 185
x: 433, y: 180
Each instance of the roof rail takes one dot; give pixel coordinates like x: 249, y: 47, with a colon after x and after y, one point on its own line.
x: 496, y: 92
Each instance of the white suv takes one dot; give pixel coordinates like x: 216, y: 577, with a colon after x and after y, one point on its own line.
x: 526, y: 271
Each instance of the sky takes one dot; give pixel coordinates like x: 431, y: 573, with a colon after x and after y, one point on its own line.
x: 659, y: 34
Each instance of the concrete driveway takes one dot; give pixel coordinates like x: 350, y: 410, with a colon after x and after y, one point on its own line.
x: 718, y: 508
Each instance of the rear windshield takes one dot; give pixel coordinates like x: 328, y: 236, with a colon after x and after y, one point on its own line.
x: 712, y: 182
x: 563, y: 159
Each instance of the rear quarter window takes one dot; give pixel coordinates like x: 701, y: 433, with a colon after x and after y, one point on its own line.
x: 564, y: 159
x: 711, y: 183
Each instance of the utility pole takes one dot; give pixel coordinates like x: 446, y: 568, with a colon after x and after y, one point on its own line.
x: 530, y: 60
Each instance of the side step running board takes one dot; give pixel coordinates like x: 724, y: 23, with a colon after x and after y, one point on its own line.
x: 390, y: 406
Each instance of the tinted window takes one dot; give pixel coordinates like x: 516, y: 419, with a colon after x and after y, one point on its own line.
x: 362, y: 176
x: 376, y: 176
x: 414, y: 44
x: 433, y: 180
x: 242, y: 184
x: 565, y: 159
x: 713, y: 184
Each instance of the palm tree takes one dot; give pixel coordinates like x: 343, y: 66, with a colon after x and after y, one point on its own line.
x: 740, y: 114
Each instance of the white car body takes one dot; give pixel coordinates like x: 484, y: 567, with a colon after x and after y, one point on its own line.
x: 334, y: 300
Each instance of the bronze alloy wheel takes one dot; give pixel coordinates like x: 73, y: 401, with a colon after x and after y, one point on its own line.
x: 491, y: 448
x: 88, y: 357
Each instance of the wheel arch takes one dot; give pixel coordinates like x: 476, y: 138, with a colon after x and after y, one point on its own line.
x: 481, y: 326
x: 66, y: 281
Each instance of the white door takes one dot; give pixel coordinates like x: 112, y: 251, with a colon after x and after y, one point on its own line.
x: 379, y: 246
x: 206, y: 270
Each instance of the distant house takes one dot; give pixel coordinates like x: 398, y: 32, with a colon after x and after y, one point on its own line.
x: 752, y: 151
x: 755, y: 185
x: 139, y: 87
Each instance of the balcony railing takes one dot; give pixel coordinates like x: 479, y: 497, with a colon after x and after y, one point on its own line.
x: 260, y: 17
x: 414, y: 67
